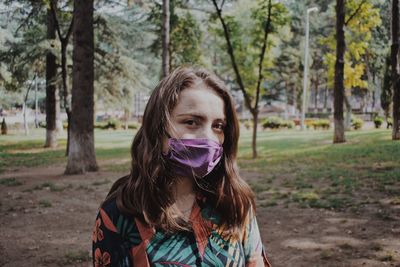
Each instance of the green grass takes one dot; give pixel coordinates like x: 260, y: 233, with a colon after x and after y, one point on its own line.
x: 295, y: 166
x: 308, y: 164
x: 17, y: 151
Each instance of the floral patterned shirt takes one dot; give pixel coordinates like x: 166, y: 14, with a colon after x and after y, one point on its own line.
x: 121, y: 240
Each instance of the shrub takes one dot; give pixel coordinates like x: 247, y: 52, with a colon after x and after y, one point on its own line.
x: 357, y: 123
x: 321, y: 124
x: 288, y: 124
x: 248, y: 124
x: 389, y: 122
x: 4, y: 127
x: 133, y: 125
x: 272, y: 123
x: 42, y: 124
x: 99, y: 125
x: 113, y: 124
x: 309, y: 122
x: 277, y: 123
x: 378, y: 121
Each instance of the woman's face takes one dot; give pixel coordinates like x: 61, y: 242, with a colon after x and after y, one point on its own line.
x: 199, y: 113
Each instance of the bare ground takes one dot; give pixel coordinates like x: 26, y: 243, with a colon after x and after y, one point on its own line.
x: 46, y: 219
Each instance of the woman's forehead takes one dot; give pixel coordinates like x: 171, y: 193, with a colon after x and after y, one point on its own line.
x: 200, y: 99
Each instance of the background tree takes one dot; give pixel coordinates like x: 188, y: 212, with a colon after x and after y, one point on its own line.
x: 395, y: 71
x: 51, y: 78
x: 387, y: 92
x: 338, y: 93
x: 64, y: 41
x: 185, y: 34
x: 165, y: 38
x: 82, y: 157
x: 267, y: 17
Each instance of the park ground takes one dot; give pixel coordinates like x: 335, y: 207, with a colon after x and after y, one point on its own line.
x: 318, y: 204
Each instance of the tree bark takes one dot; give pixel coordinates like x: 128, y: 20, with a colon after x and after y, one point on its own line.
x: 165, y: 38
x: 82, y: 157
x: 338, y: 92
x: 347, y: 124
x: 51, y: 89
x: 395, y: 70
x: 254, y: 137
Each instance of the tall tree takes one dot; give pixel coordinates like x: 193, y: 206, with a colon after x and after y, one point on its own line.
x: 82, y: 157
x: 51, y: 88
x: 185, y: 33
x: 165, y: 38
x: 338, y: 92
x: 395, y: 70
x: 64, y: 40
x: 249, y: 66
x: 387, y: 92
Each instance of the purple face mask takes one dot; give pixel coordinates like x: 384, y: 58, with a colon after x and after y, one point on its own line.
x: 193, y: 157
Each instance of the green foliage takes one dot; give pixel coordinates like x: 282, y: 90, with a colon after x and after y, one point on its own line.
x: 356, y: 123
x: 123, y: 64
x: 358, y: 35
x: 387, y: 91
x: 277, y: 123
x: 246, y: 22
x: 185, y: 34
x: 321, y: 124
x: 378, y: 121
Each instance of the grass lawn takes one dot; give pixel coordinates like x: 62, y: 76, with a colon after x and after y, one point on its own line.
x: 293, y: 167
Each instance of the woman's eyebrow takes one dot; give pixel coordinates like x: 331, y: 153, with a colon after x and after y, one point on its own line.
x: 199, y: 116
x: 192, y: 114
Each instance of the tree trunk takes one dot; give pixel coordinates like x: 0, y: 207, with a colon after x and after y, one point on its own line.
x: 316, y: 94
x: 254, y: 139
x: 165, y: 38
x: 26, y: 127
x: 326, y: 94
x: 395, y: 70
x: 36, y: 104
x: 51, y: 91
x: 338, y: 93
x: 347, y: 124
x: 81, y: 156
x: 126, y: 117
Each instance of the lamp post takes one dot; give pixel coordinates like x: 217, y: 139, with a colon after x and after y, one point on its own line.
x: 305, y: 76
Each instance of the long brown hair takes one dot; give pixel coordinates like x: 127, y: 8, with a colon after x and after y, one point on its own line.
x: 147, y: 192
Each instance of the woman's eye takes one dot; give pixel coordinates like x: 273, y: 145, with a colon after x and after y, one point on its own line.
x: 190, y: 122
x: 219, y: 126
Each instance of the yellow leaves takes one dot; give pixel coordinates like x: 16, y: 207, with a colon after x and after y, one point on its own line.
x: 353, y: 75
x: 357, y: 35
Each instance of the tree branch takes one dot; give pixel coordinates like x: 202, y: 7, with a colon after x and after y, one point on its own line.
x: 262, y: 54
x: 54, y: 14
x: 232, y: 57
x: 25, y: 21
x: 222, y: 5
x: 70, y: 28
x: 355, y: 12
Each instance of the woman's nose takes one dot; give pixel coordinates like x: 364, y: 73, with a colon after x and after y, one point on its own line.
x: 208, y: 133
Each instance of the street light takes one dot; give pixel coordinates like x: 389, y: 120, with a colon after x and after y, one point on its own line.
x: 305, y: 76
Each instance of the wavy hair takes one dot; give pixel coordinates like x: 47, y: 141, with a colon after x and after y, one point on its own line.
x: 147, y: 192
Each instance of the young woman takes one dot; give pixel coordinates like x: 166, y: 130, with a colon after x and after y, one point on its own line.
x: 184, y: 203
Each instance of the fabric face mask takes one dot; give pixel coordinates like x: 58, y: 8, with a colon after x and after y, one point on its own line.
x: 193, y: 157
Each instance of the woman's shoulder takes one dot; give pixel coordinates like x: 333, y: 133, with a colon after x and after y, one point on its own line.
x: 116, y: 221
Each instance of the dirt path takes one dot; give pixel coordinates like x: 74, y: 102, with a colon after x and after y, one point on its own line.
x: 46, y: 219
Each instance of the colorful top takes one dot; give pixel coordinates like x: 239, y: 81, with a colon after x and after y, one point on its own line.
x: 122, y: 240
